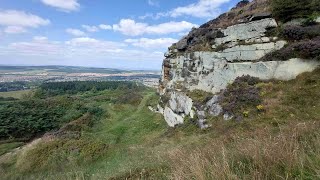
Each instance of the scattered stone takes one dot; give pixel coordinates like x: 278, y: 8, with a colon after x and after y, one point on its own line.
x: 201, y: 114
x: 265, y: 39
x: 214, y: 108
x: 203, y: 124
x: 160, y: 109
x: 182, y: 44
x: 192, y: 113
x: 151, y: 109
x: 227, y: 116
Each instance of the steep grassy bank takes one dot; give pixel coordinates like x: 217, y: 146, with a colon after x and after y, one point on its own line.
x: 109, y: 145
x: 279, y: 139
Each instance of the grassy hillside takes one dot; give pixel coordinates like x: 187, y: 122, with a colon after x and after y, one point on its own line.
x: 15, y: 94
x: 280, y: 139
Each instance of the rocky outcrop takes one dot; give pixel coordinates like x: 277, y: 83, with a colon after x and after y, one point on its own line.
x: 228, y: 52
x: 208, y: 73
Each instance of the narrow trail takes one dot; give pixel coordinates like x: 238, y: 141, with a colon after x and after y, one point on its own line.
x: 21, y: 150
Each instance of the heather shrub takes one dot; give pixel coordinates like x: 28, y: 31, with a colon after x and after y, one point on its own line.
x: 199, y: 96
x: 62, y: 153
x: 300, y: 32
x: 307, y: 49
x: 241, y: 95
x: 286, y: 10
x: 130, y: 97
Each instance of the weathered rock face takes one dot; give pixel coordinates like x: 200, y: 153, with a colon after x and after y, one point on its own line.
x: 208, y: 73
x: 235, y: 51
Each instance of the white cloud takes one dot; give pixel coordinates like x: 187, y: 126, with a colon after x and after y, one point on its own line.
x: 36, y: 47
x: 148, y: 15
x: 94, y: 44
x: 105, y: 27
x: 75, y: 32
x: 22, y: 19
x: 132, y: 28
x: 63, y: 5
x: 90, y: 28
x: 151, y: 43
x: 82, y: 51
x: 15, y: 30
x: 76, y: 47
x: 40, y: 38
x: 82, y: 40
x: 153, y: 2
x: 201, y: 9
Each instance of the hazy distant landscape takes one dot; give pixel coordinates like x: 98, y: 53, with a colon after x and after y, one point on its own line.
x: 39, y: 74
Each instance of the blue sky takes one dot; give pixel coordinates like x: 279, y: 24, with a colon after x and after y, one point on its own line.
x: 128, y: 34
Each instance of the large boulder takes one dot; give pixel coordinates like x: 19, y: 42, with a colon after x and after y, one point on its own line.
x: 171, y: 118
x: 180, y: 103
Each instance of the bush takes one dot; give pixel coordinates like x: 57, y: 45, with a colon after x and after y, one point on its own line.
x: 286, y: 10
x: 61, y: 154
x: 241, y: 95
x: 300, y: 33
x: 199, y: 96
x: 129, y: 97
x: 307, y: 49
x: 33, y: 117
x: 73, y: 87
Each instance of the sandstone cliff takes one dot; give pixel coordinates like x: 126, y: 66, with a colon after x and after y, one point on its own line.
x: 212, y: 56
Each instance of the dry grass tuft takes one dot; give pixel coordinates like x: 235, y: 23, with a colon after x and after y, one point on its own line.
x: 291, y: 153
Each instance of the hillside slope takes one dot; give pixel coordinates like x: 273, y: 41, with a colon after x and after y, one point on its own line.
x: 249, y: 40
x: 280, y: 139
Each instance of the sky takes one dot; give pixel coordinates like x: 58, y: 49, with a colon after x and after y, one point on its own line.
x: 123, y: 34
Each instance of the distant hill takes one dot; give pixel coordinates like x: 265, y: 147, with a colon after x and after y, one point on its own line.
x: 66, y: 69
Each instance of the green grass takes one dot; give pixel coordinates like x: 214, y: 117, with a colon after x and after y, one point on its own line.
x: 125, y: 132
x: 7, y: 147
x: 286, y: 10
x: 15, y: 94
x: 130, y: 142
